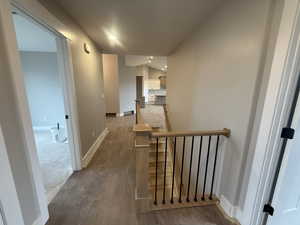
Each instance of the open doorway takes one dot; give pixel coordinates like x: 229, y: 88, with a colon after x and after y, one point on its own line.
x: 40, y: 55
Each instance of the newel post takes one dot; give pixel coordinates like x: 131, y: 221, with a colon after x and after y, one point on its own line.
x: 142, y: 147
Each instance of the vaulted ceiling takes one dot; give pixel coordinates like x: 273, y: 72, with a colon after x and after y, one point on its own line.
x: 140, y: 27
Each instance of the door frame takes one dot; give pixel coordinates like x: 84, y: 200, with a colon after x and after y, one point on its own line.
x: 10, y: 211
x: 285, y: 150
x: 279, y: 94
x: 39, y: 14
x: 66, y: 75
x: 136, y: 79
x: 70, y: 100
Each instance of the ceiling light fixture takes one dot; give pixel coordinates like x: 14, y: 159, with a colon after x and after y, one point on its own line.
x: 112, y: 37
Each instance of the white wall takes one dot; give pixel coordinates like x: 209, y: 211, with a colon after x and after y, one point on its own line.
x: 111, y: 83
x: 88, y: 73
x: 119, y: 84
x: 212, y: 80
x: 89, y: 89
x: 127, y: 85
x: 43, y: 88
x: 13, y: 133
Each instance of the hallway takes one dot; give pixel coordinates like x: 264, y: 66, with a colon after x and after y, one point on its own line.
x: 103, y: 193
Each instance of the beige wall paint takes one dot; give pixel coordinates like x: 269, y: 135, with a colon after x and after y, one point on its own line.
x: 127, y: 85
x: 111, y: 83
x: 119, y: 84
x: 88, y: 79
x: 212, y: 79
x: 10, y: 119
x: 89, y: 89
x: 13, y: 136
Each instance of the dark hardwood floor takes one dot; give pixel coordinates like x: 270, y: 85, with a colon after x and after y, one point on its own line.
x: 103, y: 193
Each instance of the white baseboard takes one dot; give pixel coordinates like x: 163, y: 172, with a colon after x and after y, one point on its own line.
x: 231, y: 212
x: 41, y: 220
x: 93, y: 149
x: 37, y: 221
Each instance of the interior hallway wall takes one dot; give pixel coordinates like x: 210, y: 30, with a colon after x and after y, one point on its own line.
x: 127, y: 85
x: 13, y: 131
x: 111, y: 83
x: 43, y: 86
x: 88, y: 75
x: 215, y: 71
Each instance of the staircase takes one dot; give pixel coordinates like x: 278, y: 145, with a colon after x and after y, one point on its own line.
x: 164, y: 180
x: 155, y: 116
x: 175, y: 169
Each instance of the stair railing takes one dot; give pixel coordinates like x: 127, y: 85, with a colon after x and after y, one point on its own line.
x: 187, y: 161
x: 192, y: 156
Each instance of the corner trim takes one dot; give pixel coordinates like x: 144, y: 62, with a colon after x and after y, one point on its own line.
x: 40, y: 220
x: 229, y: 211
x: 93, y: 149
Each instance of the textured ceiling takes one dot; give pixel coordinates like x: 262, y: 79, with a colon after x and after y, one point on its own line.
x: 139, y: 27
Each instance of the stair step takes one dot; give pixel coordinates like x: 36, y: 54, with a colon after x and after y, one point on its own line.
x: 160, y: 170
x: 184, y: 203
x: 160, y: 159
x: 160, y: 187
x: 160, y: 150
x: 161, y: 154
x: 168, y: 174
x: 161, y: 141
x: 160, y: 181
x: 160, y: 164
x: 160, y: 191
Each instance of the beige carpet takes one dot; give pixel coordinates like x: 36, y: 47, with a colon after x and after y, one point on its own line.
x: 55, y: 162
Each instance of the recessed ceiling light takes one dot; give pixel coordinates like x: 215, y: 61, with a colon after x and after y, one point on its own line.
x: 151, y: 57
x: 149, y: 61
x: 166, y: 67
x: 112, y: 37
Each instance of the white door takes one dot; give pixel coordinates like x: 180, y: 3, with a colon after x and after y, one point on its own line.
x: 286, y: 201
x: 10, y: 212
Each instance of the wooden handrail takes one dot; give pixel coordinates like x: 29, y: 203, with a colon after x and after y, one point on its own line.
x: 225, y: 132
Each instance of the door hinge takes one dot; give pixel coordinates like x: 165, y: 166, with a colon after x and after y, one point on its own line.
x: 268, y: 209
x: 287, y: 132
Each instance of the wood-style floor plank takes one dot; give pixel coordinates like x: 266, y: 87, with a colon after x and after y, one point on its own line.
x: 103, y: 193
